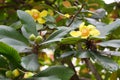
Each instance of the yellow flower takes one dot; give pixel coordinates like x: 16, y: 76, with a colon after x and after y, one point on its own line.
x: 67, y: 15
x: 38, y: 16
x: 85, y: 31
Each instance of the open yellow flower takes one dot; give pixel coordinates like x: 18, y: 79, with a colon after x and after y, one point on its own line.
x: 38, y: 16
x: 85, y: 31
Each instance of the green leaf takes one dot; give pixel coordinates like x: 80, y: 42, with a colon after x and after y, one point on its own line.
x: 25, y: 32
x: 105, y: 61
x: 74, y: 25
x: 30, y: 62
x: 51, y: 25
x: 56, y: 36
x: 11, y: 54
x: 3, y: 78
x: 3, y: 65
x: 84, y: 54
x: 18, y: 45
x: 50, y: 19
x: 61, y: 72
x: 17, y: 25
x: 114, y: 34
x: 110, y: 43
x: 105, y: 30
x: 95, y: 22
x: 112, y: 53
x: 28, y: 22
x: 67, y: 54
x: 44, y: 78
x: 99, y: 13
x: 70, y: 40
x: 50, y: 41
x: 8, y: 32
x: 3, y: 62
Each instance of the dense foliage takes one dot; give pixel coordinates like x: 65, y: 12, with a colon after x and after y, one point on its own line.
x: 59, y: 40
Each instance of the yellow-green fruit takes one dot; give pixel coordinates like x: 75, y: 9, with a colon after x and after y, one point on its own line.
x: 9, y: 74
x: 38, y: 39
x: 32, y: 37
x: 16, y: 73
x: 28, y: 74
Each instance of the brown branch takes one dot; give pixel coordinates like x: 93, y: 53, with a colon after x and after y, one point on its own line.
x: 70, y: 64
x: 75, y: 76
x: 73, y: 18
x: 92, y: 68
x: 90, y: 65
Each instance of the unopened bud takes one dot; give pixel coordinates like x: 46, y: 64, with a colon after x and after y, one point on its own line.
x: 89, y: 15
x: 16, y: 73
x: 67, y: 15
x: 32, y: 37
x: 38, y: 39
x: 9, y: 74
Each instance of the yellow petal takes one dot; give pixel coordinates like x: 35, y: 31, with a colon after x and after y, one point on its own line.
x: 35, y: 11
x: 94, y: 32
x: 28, y: 11
x: 91, y: 27
x: 82, y: 26
x: 75, y: 33
x: 41, y: 20
x: 84, y: 37
x: 43, y: 13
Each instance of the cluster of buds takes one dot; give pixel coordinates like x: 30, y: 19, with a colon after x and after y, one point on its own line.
x: 12, y: 74
x: 36, y: 39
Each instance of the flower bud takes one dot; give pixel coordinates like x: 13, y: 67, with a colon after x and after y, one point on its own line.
x: 89, y: 15
x: 9, y: 74
x: 32, y: 37
x: 67, y: 15
x: 16, y: 73
x: 38, y: 39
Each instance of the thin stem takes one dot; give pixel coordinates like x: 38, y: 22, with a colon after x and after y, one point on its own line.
x: 73, y: 18
x: 92, y: 68
x: 75, y: 76
x: 36, y: 48
x: 90, y: 65
x: 70, y: 64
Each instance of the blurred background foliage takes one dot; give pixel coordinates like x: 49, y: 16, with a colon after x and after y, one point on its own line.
x: 8, y: 8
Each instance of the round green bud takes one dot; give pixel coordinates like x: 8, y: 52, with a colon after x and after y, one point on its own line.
x: 38, y: 39
x: 9, y: 74
x: 32, y: 37
x: 16, y: 73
